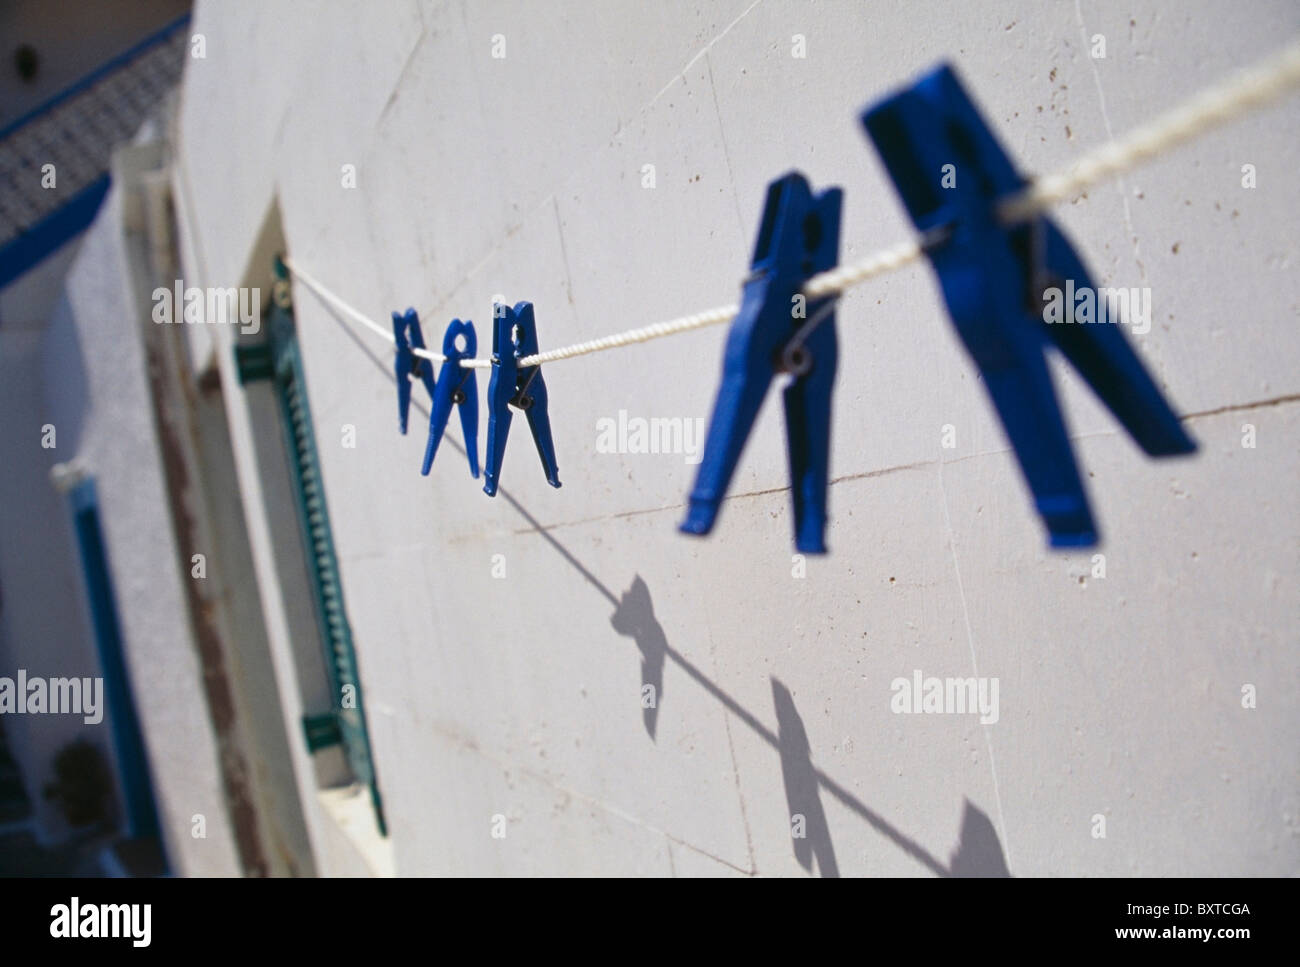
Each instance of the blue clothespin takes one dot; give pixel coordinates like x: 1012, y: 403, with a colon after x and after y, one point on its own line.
x: 514, y: 336
x: 456, y: 386
x: 994, y: 277
x: 776, y: 333
x: 407, y: 336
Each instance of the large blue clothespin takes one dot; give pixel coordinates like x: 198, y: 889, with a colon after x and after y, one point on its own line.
x: 778, y: 331
x: 407, y: 336
x: 457, y: 386
x: 514, y: 337
x: 997, y: 278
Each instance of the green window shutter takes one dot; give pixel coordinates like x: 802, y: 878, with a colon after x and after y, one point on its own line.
x: 253, y: 362
x: 345, y: 723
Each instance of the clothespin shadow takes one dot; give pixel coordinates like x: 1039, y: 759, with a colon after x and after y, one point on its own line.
x: 457, y: 386
x: 406, y: 365
x: 635, y: 617
x: 778, y: 331
x: 514, y: 337
x: 995, y: 278
x: 978, y: 852
x: 810, y: 833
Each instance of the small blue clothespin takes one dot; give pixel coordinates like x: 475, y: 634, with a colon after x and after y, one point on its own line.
x: 996, y: 279
x: 407, y: 336
x: 777, y: 331
x: 456, y: 386
x: 514, y: 336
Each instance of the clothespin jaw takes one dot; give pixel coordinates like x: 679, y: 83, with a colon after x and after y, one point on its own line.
x: 514, y: 337
x: 457, y: 386
x: 406, y: 337
x: 778, y: 331
x: 951, y: 173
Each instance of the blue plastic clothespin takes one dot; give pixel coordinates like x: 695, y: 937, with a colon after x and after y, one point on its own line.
x: 514, y: 336
x: 407, y: 336
x: 456, y: 386
x: 776, y: 332
x: 995, y: 278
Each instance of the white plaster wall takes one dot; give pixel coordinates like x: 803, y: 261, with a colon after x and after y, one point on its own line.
x: 520, y: 697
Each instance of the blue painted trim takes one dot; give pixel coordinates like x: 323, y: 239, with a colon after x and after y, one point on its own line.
x: 157, y: 37
x: 52, y: 231
x: 128, y: 740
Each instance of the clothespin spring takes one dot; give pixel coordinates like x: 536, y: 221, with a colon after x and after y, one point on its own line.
x: 521, y: 399
x: 796, y: 360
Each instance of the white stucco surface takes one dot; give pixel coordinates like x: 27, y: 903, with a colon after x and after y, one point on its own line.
x: 1120, y: 697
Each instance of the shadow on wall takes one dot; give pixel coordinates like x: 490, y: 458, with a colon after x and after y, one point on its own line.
x: 635, y: 618
x: 808, y: 829
x: 979, y: 851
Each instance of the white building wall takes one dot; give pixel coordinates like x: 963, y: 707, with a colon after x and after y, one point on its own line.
x: 1119, y: 697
